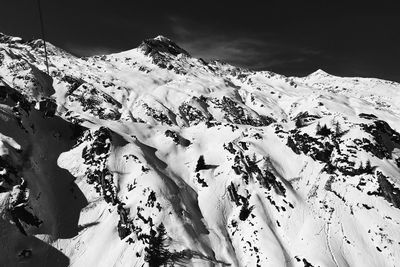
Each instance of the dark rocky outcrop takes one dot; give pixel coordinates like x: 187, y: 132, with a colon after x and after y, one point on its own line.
x: 387, y: 190
x: 178, y: 139
x: 304, y: 118
x: 96, y: 155
x: 161, y: 44
x: 316, y: 148
x: 386, y: 139
x: 237, y: 114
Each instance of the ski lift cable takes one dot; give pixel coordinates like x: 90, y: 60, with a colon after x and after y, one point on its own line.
x: 43, y: 35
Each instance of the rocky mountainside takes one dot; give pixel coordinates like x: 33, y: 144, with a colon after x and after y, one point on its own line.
x: 151, y: 157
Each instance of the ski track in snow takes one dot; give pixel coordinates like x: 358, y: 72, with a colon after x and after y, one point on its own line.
x: 328, y: 236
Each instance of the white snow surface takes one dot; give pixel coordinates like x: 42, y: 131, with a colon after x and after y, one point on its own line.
x: 273, y: 191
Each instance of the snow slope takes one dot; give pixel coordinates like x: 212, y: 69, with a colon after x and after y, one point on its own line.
x: 151, y: 157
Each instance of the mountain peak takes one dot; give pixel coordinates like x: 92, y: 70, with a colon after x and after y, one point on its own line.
x: 161, y: 44
x: 320, y: 73
x: 162, y: 38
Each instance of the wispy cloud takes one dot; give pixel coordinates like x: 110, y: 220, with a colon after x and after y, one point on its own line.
x: 247, y: 50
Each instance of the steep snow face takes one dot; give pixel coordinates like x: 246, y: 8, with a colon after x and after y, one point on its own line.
x: 151, y: 156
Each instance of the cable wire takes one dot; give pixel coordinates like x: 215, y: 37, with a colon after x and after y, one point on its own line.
x: 43, y: 35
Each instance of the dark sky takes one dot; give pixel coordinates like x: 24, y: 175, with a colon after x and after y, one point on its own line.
x: 288, y: 37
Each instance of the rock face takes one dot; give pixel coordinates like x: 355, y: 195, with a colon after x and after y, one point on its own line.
x: 161, y: 44
x: 152, y: 157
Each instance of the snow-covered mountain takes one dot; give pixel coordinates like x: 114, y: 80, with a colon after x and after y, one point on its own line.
x: 153, y: 157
